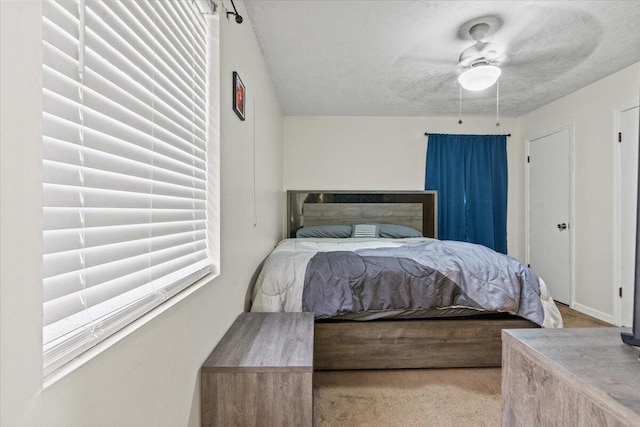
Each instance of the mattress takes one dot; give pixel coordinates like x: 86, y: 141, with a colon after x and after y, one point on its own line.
x: 366, y: 279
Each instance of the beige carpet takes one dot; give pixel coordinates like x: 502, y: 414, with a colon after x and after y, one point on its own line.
x: 417, y: 397
x: 575, y: 319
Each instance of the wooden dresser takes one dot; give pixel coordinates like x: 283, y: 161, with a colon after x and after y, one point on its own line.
x: 261, y: 373
x: 569, y: 377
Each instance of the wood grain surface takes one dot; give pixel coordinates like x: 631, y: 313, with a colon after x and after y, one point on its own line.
x: 425, y: 343
x: 261, y: 373
x: 569, y: 377
x: 265, y: 342
x: 257, y: 399
x: 409, y: 214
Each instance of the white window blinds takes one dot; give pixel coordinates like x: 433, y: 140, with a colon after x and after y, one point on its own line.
x: 124, y: 164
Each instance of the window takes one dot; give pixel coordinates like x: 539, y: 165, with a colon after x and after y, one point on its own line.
x: 470, y: 174
x: 124, y: 164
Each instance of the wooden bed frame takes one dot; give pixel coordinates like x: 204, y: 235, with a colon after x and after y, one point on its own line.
x: 464, y: 342
x: 415, y: 209
x: 420, y: 343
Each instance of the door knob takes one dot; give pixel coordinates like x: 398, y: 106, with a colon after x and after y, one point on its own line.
x: 562, y: 226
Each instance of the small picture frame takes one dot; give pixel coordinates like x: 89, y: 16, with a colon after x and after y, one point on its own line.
x: 239, y: 96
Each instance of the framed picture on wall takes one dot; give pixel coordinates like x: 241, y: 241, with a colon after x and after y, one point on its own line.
x: 239, y: 95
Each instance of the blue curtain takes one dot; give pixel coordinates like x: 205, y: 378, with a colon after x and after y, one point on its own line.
x: 470, y: 174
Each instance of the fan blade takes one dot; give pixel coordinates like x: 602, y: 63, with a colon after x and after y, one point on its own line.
x: 422, y: 78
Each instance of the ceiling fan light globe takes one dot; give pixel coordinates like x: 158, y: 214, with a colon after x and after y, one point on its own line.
x: 479, y: 77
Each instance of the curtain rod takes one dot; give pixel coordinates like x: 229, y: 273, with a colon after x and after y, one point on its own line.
x: 427, y: 134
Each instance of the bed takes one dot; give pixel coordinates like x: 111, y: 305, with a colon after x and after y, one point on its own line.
x: 386, y: 294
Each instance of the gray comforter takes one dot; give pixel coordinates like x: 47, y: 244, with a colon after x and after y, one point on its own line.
x: 420, y: 276
x: 338, y: 277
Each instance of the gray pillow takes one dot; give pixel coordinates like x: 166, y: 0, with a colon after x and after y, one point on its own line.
x: 396, y: 231
x: 325, y: 231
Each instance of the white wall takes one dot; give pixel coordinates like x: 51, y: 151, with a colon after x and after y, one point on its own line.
x: 20, y: 214
x: 590, y: 110
x: 388, y: 153
x: 151, y: 376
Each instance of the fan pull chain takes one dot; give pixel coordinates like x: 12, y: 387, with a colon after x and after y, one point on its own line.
x: 498, y: 103
x: 460, y: 109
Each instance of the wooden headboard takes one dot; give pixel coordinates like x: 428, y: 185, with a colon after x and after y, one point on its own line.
x: 415, y: 209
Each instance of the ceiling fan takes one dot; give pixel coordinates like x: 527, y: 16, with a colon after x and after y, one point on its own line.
x: 523, y: 47
x: 479, y: 60
x: 481, y: 51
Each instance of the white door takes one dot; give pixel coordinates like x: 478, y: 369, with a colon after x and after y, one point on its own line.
x: 628, y: 193
x: 550, y: 212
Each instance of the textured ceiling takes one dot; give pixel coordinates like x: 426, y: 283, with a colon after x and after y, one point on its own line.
x: 400, y: 58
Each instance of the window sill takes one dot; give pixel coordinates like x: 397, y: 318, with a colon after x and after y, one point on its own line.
x: 87, y: 356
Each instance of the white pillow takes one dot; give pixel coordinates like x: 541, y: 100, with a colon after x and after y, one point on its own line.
x: 365, y: 230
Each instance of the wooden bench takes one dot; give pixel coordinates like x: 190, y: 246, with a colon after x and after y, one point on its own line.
x: 261, y: 372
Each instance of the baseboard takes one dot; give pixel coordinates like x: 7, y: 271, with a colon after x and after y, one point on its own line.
x: 593, y: 313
